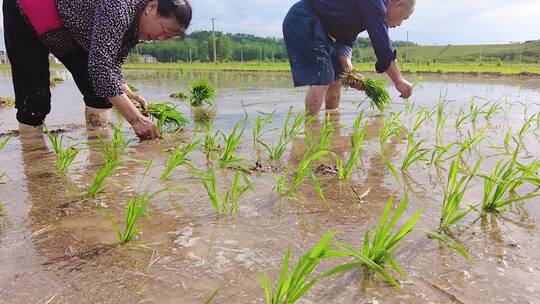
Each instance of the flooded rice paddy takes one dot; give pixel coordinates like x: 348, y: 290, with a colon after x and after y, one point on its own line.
x: 56, y: 246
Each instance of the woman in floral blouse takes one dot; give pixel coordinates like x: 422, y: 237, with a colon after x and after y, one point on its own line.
x: 92, y: 38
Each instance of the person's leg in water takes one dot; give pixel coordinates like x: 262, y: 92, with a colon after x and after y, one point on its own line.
x: 97, y: 110
x: 333, y: 96
x: 314, y: 98
x: 29, y: 60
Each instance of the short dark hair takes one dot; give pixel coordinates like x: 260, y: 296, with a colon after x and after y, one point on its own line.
x: 179, y: 9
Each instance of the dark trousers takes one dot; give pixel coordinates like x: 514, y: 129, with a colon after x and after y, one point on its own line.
x: 29, y: 60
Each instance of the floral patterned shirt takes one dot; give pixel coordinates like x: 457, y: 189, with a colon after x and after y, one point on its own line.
x: 106, y: 29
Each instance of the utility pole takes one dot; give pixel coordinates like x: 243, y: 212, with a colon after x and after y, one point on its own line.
x: 407, y: 48
x: 214, y: 40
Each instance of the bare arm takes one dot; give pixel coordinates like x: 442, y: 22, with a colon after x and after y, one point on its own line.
x: 402, y: 85
x: 143, y: 126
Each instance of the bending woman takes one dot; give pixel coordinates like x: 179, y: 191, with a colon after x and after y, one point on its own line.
x: 92, y: 38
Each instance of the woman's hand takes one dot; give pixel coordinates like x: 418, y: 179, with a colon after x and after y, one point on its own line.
x: 145, y: 128
x: 142, y: 125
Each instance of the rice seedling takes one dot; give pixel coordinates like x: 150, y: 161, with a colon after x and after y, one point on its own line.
x: 228, y: 203
x: 293, y: 284
x: 288, y: 134
x: 381, y: 243
x: 437, y: 156
x: 64, y: 157
x: 58, y: 79
x: 526, y: 127
x: 441, y: 115
x: 136, y: 207
x: 450, y: 243
x: 7, y: 102
x: 2, y: 209
x: 4, y: 142
x: 421, y: 118
x: 374, y: 89
x: 475, y: 110
x: 280, y: 187
x: 454, y: 192
x: 179, y: 96
x: 528, y: 174
x: 201, y: 93
x: 390, y: 167
x: 492, y: 110
x: 260, y: 123
x: 210, y: 143
x: 469, y: 144
x: 316, y: 150
x: 413, y: 153
x: 179, y: 157
x: 392, y: 127
x: 113, y: 150
x: 105, y: 171
x: 501, y: 185
x: 169, y: 119
x: 460, y: 119
x: 231, y: 145
x: 357, y: 138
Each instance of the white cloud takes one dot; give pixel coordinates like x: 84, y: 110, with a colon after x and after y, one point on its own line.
x: 434, y: 22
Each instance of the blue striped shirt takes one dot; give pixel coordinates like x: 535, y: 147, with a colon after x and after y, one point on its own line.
x: 345, y: 19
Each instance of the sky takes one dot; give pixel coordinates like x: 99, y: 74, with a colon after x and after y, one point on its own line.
x: 435, y: 22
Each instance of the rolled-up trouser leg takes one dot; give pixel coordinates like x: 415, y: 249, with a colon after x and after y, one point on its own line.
x: 29, y: 60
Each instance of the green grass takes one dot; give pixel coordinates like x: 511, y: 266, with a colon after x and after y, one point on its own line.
x: 357, y: 138
x: 179, y: 157
x: 232, y: 141
x: 168, y: 118
x: 288, y: 134
x: 136, y: 207
x: 294, y: 283
x: 64, y: 157
x: 226, y: 204
x: 267, y: 66
x: 381, y: 243
x: 454, y: 192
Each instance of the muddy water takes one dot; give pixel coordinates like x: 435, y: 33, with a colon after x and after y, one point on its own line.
x: 58, y: 247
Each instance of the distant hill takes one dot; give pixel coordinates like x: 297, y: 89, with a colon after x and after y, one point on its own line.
x: 528, y: 52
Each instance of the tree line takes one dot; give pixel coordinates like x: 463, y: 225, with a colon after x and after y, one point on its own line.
x: 198, y: 46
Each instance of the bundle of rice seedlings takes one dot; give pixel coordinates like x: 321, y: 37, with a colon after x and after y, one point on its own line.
x: 200, y: 93
x: 167, y: 116
x: 179, y: 96
x: 58, y: 79
x: 374, y: 89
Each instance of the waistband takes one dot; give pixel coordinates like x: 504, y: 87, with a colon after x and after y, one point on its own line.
x: 42, y: 15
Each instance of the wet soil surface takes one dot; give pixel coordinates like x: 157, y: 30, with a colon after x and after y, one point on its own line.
x: 56, y: 246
